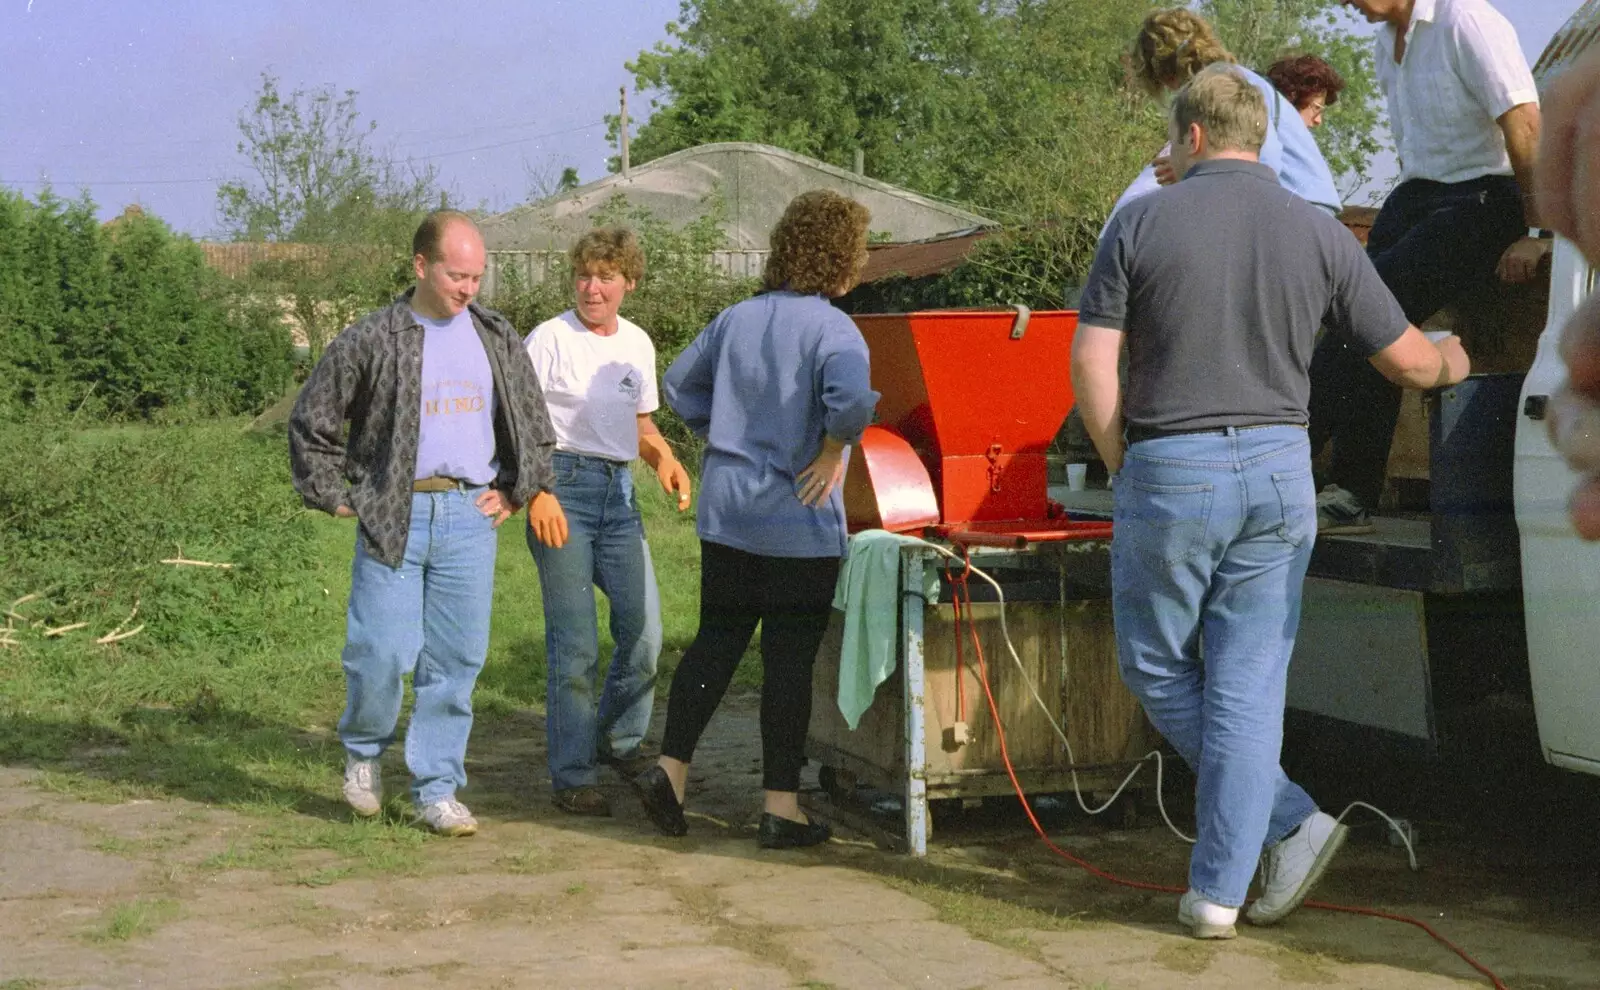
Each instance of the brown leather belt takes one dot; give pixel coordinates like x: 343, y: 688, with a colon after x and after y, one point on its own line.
x: 438, y: 483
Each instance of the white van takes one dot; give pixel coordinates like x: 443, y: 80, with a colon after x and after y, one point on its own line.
x: 1560, y: 572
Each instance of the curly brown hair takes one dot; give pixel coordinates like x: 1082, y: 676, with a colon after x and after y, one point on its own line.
x: 819, y: 245
x: 1300, y: 77
x: 1171, y: 47
x: 613, y: 249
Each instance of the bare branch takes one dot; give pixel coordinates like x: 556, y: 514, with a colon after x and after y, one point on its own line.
x: 117, y: 637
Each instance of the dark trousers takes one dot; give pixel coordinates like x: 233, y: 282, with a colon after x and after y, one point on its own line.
x: 791, y: 599
x: 1431, y: 243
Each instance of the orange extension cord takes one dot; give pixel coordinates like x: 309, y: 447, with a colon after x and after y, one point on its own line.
x: 962, y: 591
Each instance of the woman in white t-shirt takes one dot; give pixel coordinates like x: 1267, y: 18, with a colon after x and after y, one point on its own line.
x: 598, y: 372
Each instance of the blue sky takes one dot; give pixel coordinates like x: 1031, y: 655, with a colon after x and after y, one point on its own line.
x: 138, y: 99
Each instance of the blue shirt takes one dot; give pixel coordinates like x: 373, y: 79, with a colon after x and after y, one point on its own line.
x: 456, y: 435
x: 1290, y: 151
x: 1294, y: 153
x: 762, y: 384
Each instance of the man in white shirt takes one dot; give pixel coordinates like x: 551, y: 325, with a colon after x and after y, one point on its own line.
x: 1464, y: 112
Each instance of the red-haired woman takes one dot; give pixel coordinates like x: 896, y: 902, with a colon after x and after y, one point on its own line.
x: 1308, y: 82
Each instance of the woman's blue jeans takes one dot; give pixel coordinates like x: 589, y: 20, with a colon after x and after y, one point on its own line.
x: 1213, y: 535
x: 605, y: 549
x: 429, y: 617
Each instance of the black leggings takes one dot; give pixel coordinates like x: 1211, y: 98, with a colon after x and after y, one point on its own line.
x: 790, y: 597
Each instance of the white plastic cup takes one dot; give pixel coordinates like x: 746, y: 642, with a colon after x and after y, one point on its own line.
x: 1077, y: 477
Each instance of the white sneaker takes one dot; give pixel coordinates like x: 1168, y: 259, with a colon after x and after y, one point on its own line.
x: 1205, y: 919
x: 1292, y: 867
x: 363, y: 786
x: 449, y: 817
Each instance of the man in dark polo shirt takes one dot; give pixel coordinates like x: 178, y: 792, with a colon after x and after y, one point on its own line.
x: 1217, y: 286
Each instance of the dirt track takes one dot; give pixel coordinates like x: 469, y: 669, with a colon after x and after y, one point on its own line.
x: 539, y: 899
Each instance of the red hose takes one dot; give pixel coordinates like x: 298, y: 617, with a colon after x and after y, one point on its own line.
x: 1005, y: 755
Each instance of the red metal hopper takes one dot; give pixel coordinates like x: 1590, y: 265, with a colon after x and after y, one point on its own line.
x: 971, y: 402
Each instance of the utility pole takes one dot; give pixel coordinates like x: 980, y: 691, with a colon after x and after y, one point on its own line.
x: 623, y: 132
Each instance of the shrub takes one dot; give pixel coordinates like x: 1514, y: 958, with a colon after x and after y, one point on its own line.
x: 124, y: 320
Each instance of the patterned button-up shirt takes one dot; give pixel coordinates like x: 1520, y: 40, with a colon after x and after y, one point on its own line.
x: 371, y: 375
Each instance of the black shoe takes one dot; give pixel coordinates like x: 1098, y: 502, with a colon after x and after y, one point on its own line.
x: 582, y: 801
x: 660, y: 802
x: 781, y: 833
x: 632, y: 765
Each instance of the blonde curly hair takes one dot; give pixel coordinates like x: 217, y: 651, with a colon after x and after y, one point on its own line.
x: 819, y: 244
x: 1172, y: 46
x: 613, y: 249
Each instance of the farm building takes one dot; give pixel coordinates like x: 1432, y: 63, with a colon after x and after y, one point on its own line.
x: 754, y: 183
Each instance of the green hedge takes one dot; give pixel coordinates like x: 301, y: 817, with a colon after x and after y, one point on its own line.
x: 124, y: 320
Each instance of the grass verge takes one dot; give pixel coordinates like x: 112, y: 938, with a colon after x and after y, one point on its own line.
x: 229, y: 690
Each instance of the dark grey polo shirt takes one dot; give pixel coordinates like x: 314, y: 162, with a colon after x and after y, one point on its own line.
x: 1220, y: 283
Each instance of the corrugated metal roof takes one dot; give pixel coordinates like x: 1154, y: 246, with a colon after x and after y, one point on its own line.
x: 918, y: 259
x: 1574, y: 38
x: 936, y: 256
x: 754, y: 182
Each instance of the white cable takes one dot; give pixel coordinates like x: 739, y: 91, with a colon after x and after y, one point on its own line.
x: 1072, y: 768
x: 1072, y: 761
x: 1411, y: 854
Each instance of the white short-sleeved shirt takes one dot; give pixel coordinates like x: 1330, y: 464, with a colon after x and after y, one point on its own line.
x: 1463, y: 69
x: 595, y: 386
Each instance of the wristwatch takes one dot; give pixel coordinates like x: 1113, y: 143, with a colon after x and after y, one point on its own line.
x: 1540, y: 233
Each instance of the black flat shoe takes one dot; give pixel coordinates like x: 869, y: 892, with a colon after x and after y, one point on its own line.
x: 660, y: 803
x: 781, y: 833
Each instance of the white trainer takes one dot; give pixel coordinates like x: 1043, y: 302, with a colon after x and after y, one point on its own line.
x: 1206, y: 919
x: 449, y: 817
x: 363, y: 786
x: 1292, y: 867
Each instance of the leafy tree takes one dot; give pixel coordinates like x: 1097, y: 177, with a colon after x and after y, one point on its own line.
x: 317, y: 178
x: 319, y: 181
x: 943, y: 96
x: 897, y: 79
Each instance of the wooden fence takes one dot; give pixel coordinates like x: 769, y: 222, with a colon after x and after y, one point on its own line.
x: 533, y: 267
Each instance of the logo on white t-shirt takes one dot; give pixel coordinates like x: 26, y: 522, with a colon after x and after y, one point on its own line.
x: 631, y: 385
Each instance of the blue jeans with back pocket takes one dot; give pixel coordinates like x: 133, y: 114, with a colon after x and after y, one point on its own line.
x: 1213, y: 535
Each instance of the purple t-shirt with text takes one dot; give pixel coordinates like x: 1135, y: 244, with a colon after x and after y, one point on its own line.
x: 457, y: 435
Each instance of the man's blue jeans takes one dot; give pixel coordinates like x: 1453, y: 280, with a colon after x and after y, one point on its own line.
x: 429, y: 617
x: 1213, y: 535
x: 605, y: 548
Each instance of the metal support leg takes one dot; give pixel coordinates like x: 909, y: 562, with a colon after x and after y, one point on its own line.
x: 911, y: 605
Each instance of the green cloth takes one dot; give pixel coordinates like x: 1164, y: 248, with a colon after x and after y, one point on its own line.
x: 868, y: 593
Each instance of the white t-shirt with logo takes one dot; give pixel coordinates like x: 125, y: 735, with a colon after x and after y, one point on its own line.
x: 595, y: 387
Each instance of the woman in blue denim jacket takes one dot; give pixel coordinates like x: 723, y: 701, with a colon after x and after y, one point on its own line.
x: 598, y: 372
x: 778, y: 385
